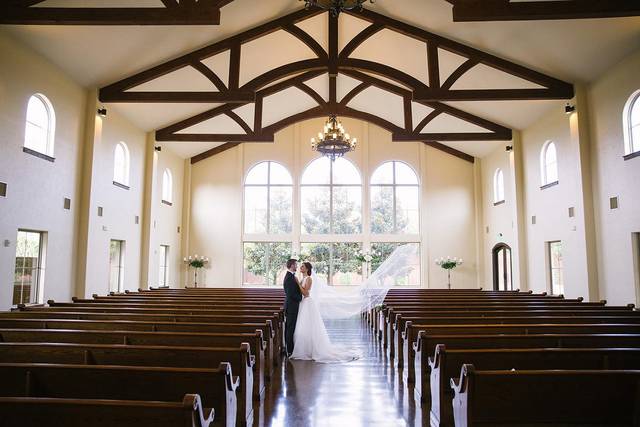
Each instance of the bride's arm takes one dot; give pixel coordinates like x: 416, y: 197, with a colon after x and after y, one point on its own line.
x: 303, y: 289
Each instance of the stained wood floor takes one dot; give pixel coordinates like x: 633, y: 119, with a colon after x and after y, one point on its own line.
x: 363, y: 393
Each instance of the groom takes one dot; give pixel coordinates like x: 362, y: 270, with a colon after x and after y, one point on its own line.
x: 293, y: 296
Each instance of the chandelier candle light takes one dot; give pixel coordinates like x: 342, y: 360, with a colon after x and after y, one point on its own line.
x: 197, y: 263
x: 333, y: 141
x: 449, y: 264
x: 336, y: 6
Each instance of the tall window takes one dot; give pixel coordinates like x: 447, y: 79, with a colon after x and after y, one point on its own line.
x: 163, y: 276
x: 268, y: 199
x: 395, y: 199
x: 40, y: 125
x: 331, y: 198
x: 116, y: 266
x: 336, y: 263
x: 498, y: 186
x: 631, y: 123
x: 265, y: 262
x: 549, y: 163
x: 167, y: 187
x: 555, y: 267
x: 29, y: 271
x: 121, y: 164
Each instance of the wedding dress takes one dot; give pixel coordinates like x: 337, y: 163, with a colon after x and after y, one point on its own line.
x: 311, y: 338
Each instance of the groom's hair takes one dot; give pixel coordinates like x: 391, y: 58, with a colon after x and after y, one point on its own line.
x: 291, y: 262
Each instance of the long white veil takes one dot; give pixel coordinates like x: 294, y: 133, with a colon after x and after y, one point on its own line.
x: 348, y: 301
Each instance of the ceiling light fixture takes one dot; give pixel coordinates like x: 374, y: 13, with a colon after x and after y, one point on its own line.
x: 336, y: 6
x: 333, y: 141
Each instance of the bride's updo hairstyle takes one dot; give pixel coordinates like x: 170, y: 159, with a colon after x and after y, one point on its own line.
x: 309, y: 267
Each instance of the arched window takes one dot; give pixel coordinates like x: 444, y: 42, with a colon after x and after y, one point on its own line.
x: 268, y: 199
x: 331, y: 198
x: 631, y: 123
x: 40, y: 125
x: 549, y: 163
x: 121, y: 164
x: 395, y: 199
x: 498, y: 186
x: 167, y: 186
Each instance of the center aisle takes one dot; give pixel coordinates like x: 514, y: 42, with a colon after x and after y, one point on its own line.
x: 360, y: 393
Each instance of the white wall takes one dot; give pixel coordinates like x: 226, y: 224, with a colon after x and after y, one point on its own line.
x: 120, y: 206
x: 36, y: 187
x: 613, y: 176
x: 216, y: 228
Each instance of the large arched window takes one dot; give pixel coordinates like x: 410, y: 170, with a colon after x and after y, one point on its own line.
x: 331, y: 198
x: 549, y: 163
x: 167, y: 186
x: 268, y: 199
x: 631, y: 123
x: 121, y: 164
x: 395, y: 200
x: 498, y: 186
x: 40, y: 125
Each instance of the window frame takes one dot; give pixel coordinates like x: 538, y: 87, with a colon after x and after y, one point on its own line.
x: 313, y: 237
x: 631, y: 146
x: 268, y: 186
x: 163, y: 277
x: 394, y: 185
x: 544, y: 166
x: 167, y: 200
x: 551, y: 268
x: 40, y: 269
x: 496, y: 199
x: 126, y: 172
x: 48, y: 153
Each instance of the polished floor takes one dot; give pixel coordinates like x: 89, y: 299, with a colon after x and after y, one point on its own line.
x: 365, y: 392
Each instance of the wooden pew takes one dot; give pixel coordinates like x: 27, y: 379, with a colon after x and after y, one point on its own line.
x: 216, y: 387
x: 129, y: 355
x: 409, y: 335
x: 514, y: 398
x: 171, y: 339
x: 271, y: 336
x: 447, y: 364
x: 425, y: 347
x: 549, y: 317
x: 36, y: 412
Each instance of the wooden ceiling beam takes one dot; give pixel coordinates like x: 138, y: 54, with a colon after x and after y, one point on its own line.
x: 203, y: 12
x: 504, y: 10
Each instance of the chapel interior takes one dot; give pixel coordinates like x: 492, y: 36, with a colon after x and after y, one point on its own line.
x: 161, y: 160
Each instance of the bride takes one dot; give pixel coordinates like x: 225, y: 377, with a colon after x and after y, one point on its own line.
x: 311, y: 339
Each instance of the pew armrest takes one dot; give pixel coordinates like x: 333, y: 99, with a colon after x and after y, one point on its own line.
x: 203, y: 417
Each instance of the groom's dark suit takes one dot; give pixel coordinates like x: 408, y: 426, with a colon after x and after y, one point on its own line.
x: 291, y: 305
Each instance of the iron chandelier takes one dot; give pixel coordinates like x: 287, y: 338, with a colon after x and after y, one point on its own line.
x: 333, y: 141
x: 336, y: 6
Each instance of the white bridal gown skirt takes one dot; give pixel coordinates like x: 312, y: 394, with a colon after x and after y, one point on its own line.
x: 311, y: 341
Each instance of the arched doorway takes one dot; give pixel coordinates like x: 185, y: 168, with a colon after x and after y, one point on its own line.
x: 502, y: 272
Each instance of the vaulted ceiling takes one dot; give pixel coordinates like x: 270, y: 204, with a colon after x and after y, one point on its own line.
x: 389, y: 65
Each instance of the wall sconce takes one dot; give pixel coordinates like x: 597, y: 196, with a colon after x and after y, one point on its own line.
x: 157, y: 148
x: 569, y: 108
x: 508, y: 148
x: 102, y: 112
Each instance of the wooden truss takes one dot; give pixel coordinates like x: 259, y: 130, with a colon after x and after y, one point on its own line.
x: 335, y: 62
x: 505, y: 10
x: 173, y: 12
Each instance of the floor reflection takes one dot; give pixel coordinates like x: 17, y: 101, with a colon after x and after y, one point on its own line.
x: 365, y: 392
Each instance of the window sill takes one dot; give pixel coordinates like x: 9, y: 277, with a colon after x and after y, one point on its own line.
x: 631, y: 155
x: 38, y: 154
x: 167, y: 203
x: 124, y: 187
x: 501, y: 202
x: 549, y: 185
